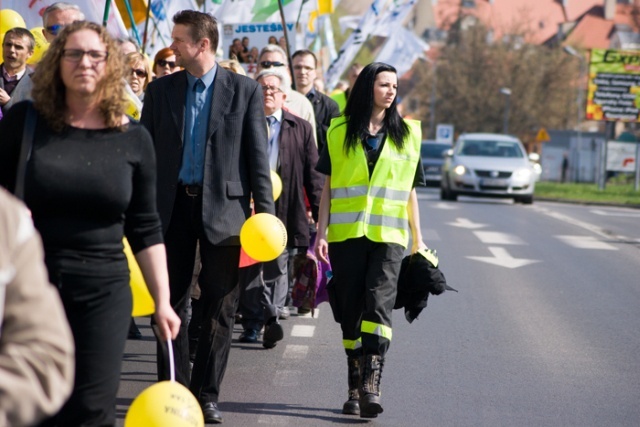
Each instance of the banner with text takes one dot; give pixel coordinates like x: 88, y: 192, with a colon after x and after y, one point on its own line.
x: 614, y: 85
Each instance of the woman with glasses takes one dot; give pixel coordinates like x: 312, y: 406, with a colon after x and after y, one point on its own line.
x: 89, y: 181
x: 164, y: 63
x: 368, y: 206
x: 138, y: 73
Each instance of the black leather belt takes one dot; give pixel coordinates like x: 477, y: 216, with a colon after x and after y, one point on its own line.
x: 192, y: 190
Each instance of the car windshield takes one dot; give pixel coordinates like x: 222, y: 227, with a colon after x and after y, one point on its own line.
x: 433, y: 150
x: 488, y: 148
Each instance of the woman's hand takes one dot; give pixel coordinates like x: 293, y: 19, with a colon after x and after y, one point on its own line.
x: 417, y: 245
x: 321, y: 249
x: 167, y: 321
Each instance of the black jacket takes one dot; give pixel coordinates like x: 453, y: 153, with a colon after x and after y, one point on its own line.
x: 324, y: 109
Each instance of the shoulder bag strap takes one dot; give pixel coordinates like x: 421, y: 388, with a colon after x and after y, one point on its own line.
x: 25, y: 150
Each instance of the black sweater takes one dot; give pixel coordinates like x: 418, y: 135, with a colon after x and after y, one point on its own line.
x: 85, y: 189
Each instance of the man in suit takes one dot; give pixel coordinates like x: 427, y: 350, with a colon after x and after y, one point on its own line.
x: 17, y: 48
x: 305, y: 64
x: 293, y: 155
x: 210, y: 137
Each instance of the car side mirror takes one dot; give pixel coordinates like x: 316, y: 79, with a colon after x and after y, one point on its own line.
x: 447, y: 153
x: 534, y: 157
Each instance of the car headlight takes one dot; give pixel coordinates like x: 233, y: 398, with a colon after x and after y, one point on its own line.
x: 523, y: 174
x: 460, y: 170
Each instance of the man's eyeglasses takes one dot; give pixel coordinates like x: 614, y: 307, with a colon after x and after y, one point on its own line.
x: 75, y: 55
x: 54, y: 29
x: 140, y: 73
x: 269, y: 64
x: 164, y: 63
x: 266, y: 89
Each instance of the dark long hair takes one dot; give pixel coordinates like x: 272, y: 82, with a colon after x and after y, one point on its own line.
x: 360, y: 106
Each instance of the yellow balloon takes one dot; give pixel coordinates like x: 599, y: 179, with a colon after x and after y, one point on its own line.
x: 10, y: 19
x: 276, y: 184
x: 143, y: 304
x: 263, y: 237
x: 41, y: 45
x: 165, y: 404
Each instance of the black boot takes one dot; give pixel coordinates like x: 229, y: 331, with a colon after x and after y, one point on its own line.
x: 370, y: 405
x: 351, y: 406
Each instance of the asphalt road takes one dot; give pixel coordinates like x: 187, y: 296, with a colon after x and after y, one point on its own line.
x: 545, y: 331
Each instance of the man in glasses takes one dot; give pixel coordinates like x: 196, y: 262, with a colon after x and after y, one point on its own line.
x: 57, y: 16
x: 272, y: 55
x: 17, y: 48
x: 54, y: 19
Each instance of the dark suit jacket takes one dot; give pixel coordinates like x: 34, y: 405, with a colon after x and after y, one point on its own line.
x: 297, y: 155
x: 236, y: 165
x: 324, y: 109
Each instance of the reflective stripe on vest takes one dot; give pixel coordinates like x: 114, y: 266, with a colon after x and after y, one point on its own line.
x: 376, y: 206
x: 378, y: 329
x: 352, y: 344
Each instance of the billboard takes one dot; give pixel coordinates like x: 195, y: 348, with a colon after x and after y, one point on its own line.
x: 614, y: 85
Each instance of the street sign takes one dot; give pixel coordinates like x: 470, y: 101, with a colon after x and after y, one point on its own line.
x: 543, y: 135
x: 444, y: 133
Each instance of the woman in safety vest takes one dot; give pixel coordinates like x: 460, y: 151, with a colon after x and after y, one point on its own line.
x: 372, y: 163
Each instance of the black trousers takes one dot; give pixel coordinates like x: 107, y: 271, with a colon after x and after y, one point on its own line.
x: 219, y: 300
x: 99, y: 312
x: 366, y: 275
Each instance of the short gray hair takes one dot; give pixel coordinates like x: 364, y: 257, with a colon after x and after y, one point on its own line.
x: 275, y: 48
x: 285, y: 82
x: 62, y: 6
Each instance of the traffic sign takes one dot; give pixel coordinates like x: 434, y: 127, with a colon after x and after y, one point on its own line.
x: 543, y: 135
x: 444, y: 133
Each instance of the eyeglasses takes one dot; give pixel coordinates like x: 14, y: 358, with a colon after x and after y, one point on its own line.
x: 75, y: 55
x: 272, y: 89
x: 269, y: 64
x: 164, y: 63
x: 55, y: 29
x: 140, y: 73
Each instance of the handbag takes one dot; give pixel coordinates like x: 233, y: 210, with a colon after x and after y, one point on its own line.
x: 26, y: 147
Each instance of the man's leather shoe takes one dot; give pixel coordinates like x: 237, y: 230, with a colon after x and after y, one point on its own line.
x: 211, y: 413
x: 272, y: 333
x: 249, y: 336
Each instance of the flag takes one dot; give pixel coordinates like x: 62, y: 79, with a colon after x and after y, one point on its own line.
x: 394, y: 17
x: 138, y: 9
x: 325, y: 7
x: 354, y: 42
x: 162, y: 20
x: 402, y: 49
x: 32, y: 10
x: 247, y: 11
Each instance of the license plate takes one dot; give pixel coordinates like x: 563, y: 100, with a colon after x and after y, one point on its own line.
x: 488, y: 182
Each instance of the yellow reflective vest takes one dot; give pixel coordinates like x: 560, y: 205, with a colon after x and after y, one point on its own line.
x: 374, y: 207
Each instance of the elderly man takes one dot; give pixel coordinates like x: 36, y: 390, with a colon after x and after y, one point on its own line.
x: 293, y: 155
x: 54, y: 19
x: 305, y: 64
x: 17, y: 48
x: 273, y: 56
x: 57, y: 16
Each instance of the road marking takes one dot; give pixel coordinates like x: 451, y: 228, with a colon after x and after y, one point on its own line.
x: 279, y: 420
x: 502, y: 258
x: 497, y: 238
x: 287, y: 378
x: 293, y: 351
x: 465, y: 223
x: 444, y: 206
x: 430, y: 235
x: 586, y: 242
x: 573, y: 221
x: 612, y: 213
x: 304, y: 331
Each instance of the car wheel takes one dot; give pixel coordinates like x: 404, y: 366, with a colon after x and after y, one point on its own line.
x: 526, y: 200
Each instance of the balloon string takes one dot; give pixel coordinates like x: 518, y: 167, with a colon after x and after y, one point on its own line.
x: 172, y: 368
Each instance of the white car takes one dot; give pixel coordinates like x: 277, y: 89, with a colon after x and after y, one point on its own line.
x: 488, y: 165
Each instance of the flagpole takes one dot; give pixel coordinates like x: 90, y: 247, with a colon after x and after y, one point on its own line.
x: 105, y: 17
x: 127, y: 4
x: 146, y: 27
x: 286, y: 38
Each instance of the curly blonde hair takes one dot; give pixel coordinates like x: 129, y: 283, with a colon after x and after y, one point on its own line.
x: 49, y: 90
